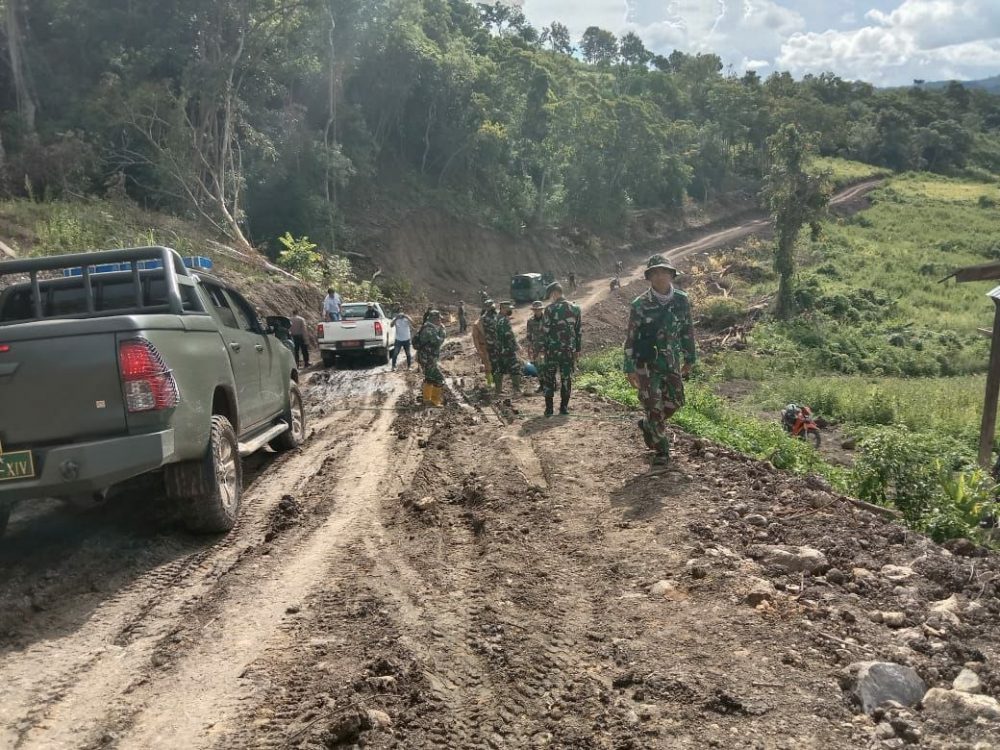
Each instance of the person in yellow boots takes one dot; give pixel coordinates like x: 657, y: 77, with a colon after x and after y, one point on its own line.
x: 428, y: 343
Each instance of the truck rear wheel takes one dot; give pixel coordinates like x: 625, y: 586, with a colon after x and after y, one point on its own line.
x: 329, y: 358
x: 295, y: 418
x: 212, y: 486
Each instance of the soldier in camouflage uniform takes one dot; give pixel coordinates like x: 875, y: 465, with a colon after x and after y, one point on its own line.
x: 505, y: 362
x: 561, y: 325
x: 536, y: 333
x: 480, y: 339
x: 536, y: 338
x: 489, y: 321
x: 428, y: 345
x: 659, y: 352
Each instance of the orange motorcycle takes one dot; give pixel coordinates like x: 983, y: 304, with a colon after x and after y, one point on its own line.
x: 799, y: 422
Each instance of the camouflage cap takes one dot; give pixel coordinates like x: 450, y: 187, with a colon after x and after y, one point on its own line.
x: 507, y: 303
x: 537, y: 305
x: 434, y: 315
x: 488, y: 303
x: 555, y: 286
x: 660, y: 261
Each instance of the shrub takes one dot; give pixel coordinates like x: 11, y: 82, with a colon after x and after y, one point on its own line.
x: 720, y: 314
x: 902, y: 468
x: 301, y: 257
x: 964, y: 500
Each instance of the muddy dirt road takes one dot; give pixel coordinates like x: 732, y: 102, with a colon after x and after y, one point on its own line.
x: 482, y: 577
x: 116, y: 624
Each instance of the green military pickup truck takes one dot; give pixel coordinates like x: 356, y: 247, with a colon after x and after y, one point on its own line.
x: 122, y: 362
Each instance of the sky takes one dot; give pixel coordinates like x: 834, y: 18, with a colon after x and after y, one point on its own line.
x: 886, y: 42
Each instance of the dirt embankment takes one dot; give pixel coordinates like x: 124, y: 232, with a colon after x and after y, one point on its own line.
x: 449, y: 258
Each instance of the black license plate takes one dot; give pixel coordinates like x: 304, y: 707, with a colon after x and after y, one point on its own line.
x: 17, y: 465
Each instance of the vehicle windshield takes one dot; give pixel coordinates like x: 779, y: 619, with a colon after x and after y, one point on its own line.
x: 354, y: 312
x: 522, y: 282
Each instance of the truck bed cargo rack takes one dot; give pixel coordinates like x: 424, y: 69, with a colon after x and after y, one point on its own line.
x: 86, y: 265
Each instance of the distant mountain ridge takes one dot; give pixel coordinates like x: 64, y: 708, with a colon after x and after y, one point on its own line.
x: 991, y: 84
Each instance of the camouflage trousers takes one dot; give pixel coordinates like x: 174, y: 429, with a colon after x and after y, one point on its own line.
x: 562, y: 368
x: 506, y: 364
x: 432, y: 369
x: 661, y: 395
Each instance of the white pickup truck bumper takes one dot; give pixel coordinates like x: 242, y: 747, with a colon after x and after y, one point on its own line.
x: 346, y: 347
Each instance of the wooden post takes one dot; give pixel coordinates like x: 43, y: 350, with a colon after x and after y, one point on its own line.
x: 988, y: 429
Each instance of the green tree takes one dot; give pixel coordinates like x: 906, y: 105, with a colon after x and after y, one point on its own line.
x: 556, y: 36
x: 633, y: 51
x: 795, y: 197
x: 598, y: 46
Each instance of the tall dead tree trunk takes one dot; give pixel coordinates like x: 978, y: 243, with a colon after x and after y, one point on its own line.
x: 330, y: 132
x: 24, y: 88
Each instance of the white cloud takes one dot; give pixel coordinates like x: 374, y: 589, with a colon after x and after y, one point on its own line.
x: 918, y: 39
x: 884, y: 41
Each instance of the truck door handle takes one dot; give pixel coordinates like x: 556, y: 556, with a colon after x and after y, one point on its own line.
x: 259, y: 347
x: 235, y: 346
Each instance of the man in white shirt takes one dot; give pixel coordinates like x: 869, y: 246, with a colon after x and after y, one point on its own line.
x: 331, y: 306
x: 404, y: 334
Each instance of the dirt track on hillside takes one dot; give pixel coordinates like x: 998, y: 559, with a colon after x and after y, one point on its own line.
x: 480, y: 577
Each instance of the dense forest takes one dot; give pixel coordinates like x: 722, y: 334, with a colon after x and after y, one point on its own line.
x: 266, y: 116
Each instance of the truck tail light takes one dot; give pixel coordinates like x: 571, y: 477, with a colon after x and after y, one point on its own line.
x: 319, y: 330
x: 148, y: 384
x: 378, y: 328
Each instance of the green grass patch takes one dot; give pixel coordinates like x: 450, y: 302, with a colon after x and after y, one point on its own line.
x: 941, y: 406
x: 709, y: 416
x: 881, y: 346
x: 846, y: 172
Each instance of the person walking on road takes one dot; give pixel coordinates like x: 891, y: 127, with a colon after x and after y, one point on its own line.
x: 331, y: 306
x: 463, y: 322
x: 505, y: 362
x: 659, y: 352
x: 562, y: 325
x: 489, y: 320
x: 404, y: 332
x: 297, y: 331
x: 536, y: 337
x: 480, y: 341
x: 572, y: 281
x: 428, y: 343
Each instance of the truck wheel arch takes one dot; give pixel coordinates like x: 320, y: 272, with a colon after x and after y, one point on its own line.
x: 224, y: 405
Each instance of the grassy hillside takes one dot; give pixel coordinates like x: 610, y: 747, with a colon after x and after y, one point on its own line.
x: 878, y: 345
x: 31, y: 228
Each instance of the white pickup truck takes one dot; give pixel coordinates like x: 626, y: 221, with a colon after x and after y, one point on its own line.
x: 363, y: 329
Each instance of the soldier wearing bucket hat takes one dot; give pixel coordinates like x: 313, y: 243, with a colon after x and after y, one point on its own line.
x: 660, y: 261
x: 561, y: 347
x: 659, y: 352
x: 428, y: 343
x: 505, y: 361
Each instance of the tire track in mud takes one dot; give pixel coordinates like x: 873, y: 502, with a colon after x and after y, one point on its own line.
x: 485, y: 626
x: 503, y: 620
x: 51, y: 702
